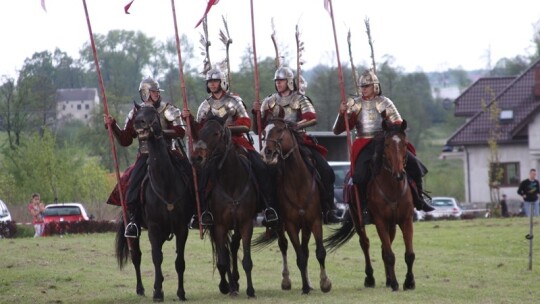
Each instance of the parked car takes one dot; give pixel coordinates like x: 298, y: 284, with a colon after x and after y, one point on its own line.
x: 341, y: 168
x: 445, y: 207
x: 5, y: 215
x: 65, y: 212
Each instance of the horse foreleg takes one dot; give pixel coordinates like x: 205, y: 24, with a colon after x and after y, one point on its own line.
x: 180, y: 263
x: 136, y: 256
x: 235, y: 276
x: 388, y: 256
x: 407, y: 229
x: 157, y: 259
x: 320, y: 253
x: 306, y: 236
x: 369, y: 281
x: 247, y: 263
x: 301, y: 260
x: 283, y: 245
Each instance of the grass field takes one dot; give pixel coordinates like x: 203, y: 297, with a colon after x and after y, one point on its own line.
x: 461, y: 261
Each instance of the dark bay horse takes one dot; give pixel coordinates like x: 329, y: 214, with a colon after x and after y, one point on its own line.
x: 231, y: 196
x: 299, y: 202
x: 390, y: 203
x: 167, y: 195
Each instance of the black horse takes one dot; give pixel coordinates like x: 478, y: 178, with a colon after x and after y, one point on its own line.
x: 167, y: 197
x: 232, y: 197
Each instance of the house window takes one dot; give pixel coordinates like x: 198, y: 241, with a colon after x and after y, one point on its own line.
x: 87, y: 106
x: 509, y: 174
x: 78, y: 107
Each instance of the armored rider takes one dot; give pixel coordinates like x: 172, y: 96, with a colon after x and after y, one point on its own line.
x: 171, y: 123
x: 293, y: 106
x: 364, y: 113
x: 223, y: 104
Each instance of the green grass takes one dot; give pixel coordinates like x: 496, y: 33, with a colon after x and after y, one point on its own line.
x: 461, y: 261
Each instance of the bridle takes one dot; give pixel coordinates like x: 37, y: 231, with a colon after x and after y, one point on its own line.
x: 278, y: 148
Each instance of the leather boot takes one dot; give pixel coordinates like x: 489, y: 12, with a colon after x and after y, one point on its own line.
x: 366, y: 215
x: 328, y: 209
x: 421, y: 199
x: 132, y: 230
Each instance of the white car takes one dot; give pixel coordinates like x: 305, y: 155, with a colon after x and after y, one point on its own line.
x: 445, y: 207
x: 5, y: 216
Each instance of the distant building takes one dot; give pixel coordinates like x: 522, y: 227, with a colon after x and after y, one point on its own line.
x: 516, y: 101
x: 76, y: 104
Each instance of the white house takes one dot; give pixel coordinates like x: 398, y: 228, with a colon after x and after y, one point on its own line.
x: 518, y: 142
x: 76, y: 104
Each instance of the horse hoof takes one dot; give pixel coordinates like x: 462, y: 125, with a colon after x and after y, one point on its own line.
x: 140, y: 292
x: 326, y: 285
x: 158, y: 296
x: 251, y: 293
x: 409, y: 285
x: 224, y: 287
x: 286, y: 285
x: 182, y: 296
x: 369, y: 282
x: 233, y: 294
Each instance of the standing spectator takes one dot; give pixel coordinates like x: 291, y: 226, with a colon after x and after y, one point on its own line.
x: 36, y: 209
x: 504, y: 206
x: 529, y: 190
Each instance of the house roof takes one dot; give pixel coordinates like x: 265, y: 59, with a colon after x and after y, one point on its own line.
x: 481, y: 91
x: 519, y: 98
x: 76, y: 94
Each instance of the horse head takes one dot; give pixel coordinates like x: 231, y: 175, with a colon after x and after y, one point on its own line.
x: 146, y: 122
x: 281, y: 140
x: 395, y: 148
x: 214, y: 140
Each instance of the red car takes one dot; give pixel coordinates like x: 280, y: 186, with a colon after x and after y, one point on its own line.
x: 66, y: 212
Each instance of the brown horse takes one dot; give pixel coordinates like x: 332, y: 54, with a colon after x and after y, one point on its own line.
x: 231, y: 195
x: 299, y: 202
x: 390, y: 203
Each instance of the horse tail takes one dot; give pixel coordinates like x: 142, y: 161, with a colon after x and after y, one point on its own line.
x: 342, y: 235
x: 122, y: 248
x: 264, y: 239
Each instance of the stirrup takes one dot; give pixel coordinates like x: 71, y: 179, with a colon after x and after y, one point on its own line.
x: 207, y: 219
x: 270, y: 215
x: 132, y: 231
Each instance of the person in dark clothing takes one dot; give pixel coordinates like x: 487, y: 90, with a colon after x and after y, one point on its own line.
x: 504, y: 206
x: 529, y: 190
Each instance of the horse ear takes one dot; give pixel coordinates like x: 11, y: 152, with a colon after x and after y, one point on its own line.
x: 137, y: 106
x: 383, y: 114
x: 385, y: 124
x: 404, y: 125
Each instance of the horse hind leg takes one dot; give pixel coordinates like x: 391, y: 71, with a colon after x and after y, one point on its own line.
x: 235, y: 275
x: 369, y: 280
x: 283, y: 246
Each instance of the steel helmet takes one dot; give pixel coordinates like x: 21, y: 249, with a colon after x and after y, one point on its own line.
x: 215, y: 74
x: 148, y: 84
x: 368, y: 77
x: 285, y: 73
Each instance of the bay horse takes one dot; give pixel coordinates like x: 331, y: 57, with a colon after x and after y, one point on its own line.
x: 390, y: 203
x: 167, y: 195
x: 299, y: 202
x: 231, y: 196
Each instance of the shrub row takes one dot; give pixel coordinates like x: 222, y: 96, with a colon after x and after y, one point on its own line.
x: 12, y: 230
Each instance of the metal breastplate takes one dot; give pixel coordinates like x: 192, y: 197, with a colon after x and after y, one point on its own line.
x: 228, y: 107
x: 369, y: 119
x: 290, y: 104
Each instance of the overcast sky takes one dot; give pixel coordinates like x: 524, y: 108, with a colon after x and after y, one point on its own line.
x: 419, y: 35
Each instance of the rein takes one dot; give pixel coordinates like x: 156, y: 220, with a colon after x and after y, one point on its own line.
x: 279, y: 148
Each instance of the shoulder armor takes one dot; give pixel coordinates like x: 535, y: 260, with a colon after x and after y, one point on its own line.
x: 172, y: 114
x: 268, y: 103
x: 353, y: 105
x: 384, y: 103
x: 203, y: 110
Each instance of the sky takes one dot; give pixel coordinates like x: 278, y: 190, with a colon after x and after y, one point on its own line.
x: 420, y: 35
